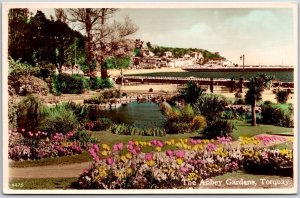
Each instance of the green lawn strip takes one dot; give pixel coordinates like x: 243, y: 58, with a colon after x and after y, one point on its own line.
x: 242, y: 128
x: 83, y: 157
x: 41, y: 183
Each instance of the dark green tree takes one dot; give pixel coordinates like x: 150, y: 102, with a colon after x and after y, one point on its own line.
x: 190, y: 93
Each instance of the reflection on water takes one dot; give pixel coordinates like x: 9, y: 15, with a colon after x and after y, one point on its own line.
x: 144, y: 115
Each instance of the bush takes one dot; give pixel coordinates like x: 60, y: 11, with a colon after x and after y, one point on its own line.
x: 99, y: 83
x: 211, y: 106
x: 99, y: 99
x: 217, y: 128
x: 58, y: 119
x: 275, y: 116
x: 17, y: 69
x: 239, y: 101
x: 190, y: 93
x: 282, y: 96
x: 25, y: 85
x: 12, y: 113
x: 84, y: 138
x: 102, y: 124
x: 29, y: 112
x: 178, y: 128
x: 150, y: 90
x: 70, y: 84
x: 109, y: 94
x: 198, y: 122
x: 79, y: 110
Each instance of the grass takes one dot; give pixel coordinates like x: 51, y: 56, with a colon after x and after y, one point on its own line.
x: 242, y: 128
x: 41, y: 183
x: 284, y: 76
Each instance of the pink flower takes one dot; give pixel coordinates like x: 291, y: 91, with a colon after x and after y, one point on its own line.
x: 148, y: 156
x: 157, y: 143
x: 184, y: 169
x: 118, y: 147
x: 109, y: 161
x: 169, y: 153
x: 180, y: 154
x: 211, y: 147
x: 96, y: 148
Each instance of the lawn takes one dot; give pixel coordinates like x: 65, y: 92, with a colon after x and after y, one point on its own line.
x: 242, y: 128
x: 44, y: 183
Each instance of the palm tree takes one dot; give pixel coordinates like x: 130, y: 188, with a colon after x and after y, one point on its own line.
x: 190, y: 93
x: 255, y: 87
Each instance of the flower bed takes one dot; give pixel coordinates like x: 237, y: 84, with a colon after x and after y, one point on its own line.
x: 26, y: 145
x: 127, y: 167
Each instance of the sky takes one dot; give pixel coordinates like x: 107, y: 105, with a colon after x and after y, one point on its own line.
x: 264, y: 35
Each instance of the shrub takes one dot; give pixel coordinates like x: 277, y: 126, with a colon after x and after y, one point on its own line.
x: 239, y: 101
x: 190, y: 93
x: 29, y: 112
x: 12, y: 113
x: 275, y: 116
x: 102, y: 124
x: 217, y: 128
x: 150, y: 90
x: 79, y: 110
x: 99, y: 99
x: 69, y: 84
x: 211, y: 106
x: 58, y: 119
x: 109, y: 94
x: 25, y: 85
x: 282, y: 96
x: 99, y: 83
x: 198, y: 122
x: 17, y: 69
x: 84, y: 138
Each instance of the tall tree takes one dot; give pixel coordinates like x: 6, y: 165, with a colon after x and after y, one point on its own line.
x: 19, y: 36
x: 255, y: 87
x: 104, y: 37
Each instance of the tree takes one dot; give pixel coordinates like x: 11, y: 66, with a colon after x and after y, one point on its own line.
x: 104, y: 38
x: 255, y: 87
x: 190, y: 93
x: 19, y: 35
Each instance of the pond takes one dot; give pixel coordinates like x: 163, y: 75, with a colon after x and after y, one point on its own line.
x: 143, y: 115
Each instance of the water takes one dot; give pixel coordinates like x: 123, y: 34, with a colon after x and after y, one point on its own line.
x: 143, y: 115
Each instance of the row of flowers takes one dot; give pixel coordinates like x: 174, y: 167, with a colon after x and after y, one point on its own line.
x: 24, y: 145
x: 127, y: 167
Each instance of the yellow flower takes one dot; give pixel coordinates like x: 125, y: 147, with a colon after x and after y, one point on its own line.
x: 158, y: 148
x: 129, y: 171
x: 172, y: 141
x: 123, y: 158
x: 128, y: 155
x: 104, y: 153
x: 179, y: 161
x: 102, y: 172
x: 106, y: 147
x: 150, y: 163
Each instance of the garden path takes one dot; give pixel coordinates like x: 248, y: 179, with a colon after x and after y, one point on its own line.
x: 69, y: 170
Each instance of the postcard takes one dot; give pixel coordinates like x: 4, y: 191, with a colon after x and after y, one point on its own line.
x: 150, y: 98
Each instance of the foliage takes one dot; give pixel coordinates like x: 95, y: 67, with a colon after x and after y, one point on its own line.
x: 217, y: 128
x: 99, y: 99
x: 198, y: 122
x: 273, y: 115
x: 59, y: 118
x: 12, y: 113
x: 117, y: 63
x: 282, y: 96
x: 190, y: 93
x: 99, y: 83
x: 17, y: 69
x: 180, y: 120
x: 123, y: 129
x: 79, y: 110
x: 83, y: 138
x: 29, y: 112
x: 69, y: 84
x: 211, y: 106
x: 102, y: 124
